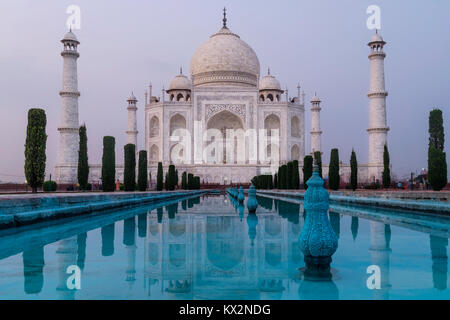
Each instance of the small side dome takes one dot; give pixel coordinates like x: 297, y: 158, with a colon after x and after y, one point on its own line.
x: 180, y: 82
x: 269, y: 82
x: 315, y: 99
x: 376, y: 38
x: 70, y: 36
x: 132, y: 97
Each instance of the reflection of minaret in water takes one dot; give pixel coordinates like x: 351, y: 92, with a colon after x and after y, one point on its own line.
x: 129, y: 240
x: 354, y: 227
x: 439, y: 257
x: 81, y: 242
x: 67, y: 255
x: 108, y: 240
x: 33, y: 264
x: 380, y: 251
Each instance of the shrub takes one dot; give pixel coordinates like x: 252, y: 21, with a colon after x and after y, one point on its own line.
x: 159, y: 177
x: 307, y: 170
x: 129, y: 175
x: 334, y: 179
x: 354, y: 171
x: 437, y: 163
x: 386, y: 170
x: 142, y: 171
x: 83, y: 165
x: 184, y: 180
x: 318, y: 158
x: 49, y: 186
x: 108, y: 164
x: 35, y: 145
x: 295, y: 176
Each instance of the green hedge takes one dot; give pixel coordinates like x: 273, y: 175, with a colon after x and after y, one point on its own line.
x: 49, y: 186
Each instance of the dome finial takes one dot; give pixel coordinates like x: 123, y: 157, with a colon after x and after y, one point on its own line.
x: 181, y: 70
x: 224, y: 17
x: 268, y: 71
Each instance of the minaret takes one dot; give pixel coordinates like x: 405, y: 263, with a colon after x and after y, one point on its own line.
x: 316, y: 133
x: 377, y: 108
x: 67, y: 161
x: 132, y: 125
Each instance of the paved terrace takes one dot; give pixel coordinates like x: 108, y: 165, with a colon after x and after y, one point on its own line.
x: 420, y: 201
x: 23, y: 209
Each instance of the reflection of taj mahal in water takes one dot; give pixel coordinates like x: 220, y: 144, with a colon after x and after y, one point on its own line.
x: 190, y: 255
x: 225, y: 92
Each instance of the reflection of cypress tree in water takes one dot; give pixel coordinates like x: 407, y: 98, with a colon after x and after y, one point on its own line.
x: 252, y: 222
x: 354, y: 227
x: 275, y: 204
x: 81, y: 241
x: 33, y: 264
x: 314, y: 290
x: 439, y: 258
x: 172, y: 209
x: 129, y: 231
x: 193, y: 201
x: 159, y: 213
x: 266, y: 203
x: 335, y: 221
x: 289, y: 211
x: 108, y: 240
x: 142, y: 225
x: 184, y: 205
x: 387, y: 235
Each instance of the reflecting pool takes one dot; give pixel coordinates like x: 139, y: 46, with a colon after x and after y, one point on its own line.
x: 209, y: 247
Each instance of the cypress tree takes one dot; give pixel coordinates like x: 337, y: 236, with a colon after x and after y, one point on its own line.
x: 437, y: 162
x: 108, y: 164
x: 286, y: 177
x: 318, y: 157
x: 83, y: 166
x: 159, y: 177
x: 275, y: 181
x: 354, y: 171
x: 307, y: 170
x: 290, y: 173
x: 170, y: 180
x: 184, y: 181
x: 190, y: 181
x: 333, y: 175
x: 386, y: 170
x: 281, y: 178
x: 295, y: 175
x: 437, y: 169
x: 176, y: 178
x: 129, y: 174
x: 35, y: 145
x: 142, y: 171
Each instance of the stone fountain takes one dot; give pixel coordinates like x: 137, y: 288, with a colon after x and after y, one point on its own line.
x: 241, y: 196
x: 317, y: 241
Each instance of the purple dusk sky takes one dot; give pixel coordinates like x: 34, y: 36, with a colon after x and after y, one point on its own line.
x: 125, y: 45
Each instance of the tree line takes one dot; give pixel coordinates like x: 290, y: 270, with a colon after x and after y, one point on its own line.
x: 287, y: 176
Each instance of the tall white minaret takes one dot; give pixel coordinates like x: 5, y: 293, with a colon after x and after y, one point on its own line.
x: 377, y: 108
x: 132, y: 125
x: 66, y: 170
x: 316, y: 133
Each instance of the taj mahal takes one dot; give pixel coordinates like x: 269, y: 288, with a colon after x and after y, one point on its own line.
x: 224, y: 92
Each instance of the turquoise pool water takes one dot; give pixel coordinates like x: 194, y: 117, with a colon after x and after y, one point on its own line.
x: 208, y: 248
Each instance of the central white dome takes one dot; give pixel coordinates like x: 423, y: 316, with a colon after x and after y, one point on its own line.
x: 225, y: 59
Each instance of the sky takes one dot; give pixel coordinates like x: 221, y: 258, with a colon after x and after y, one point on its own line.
x: 322, y: 45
